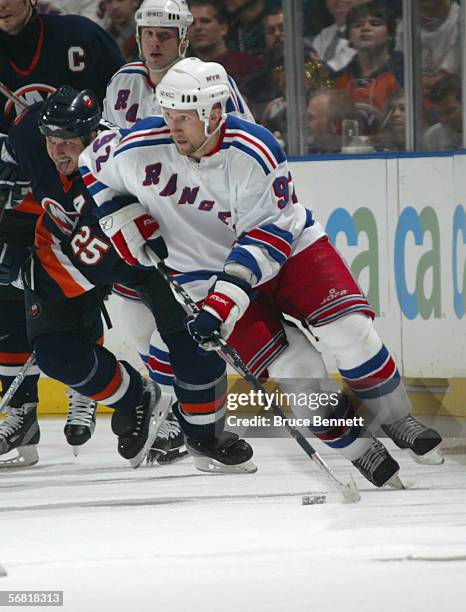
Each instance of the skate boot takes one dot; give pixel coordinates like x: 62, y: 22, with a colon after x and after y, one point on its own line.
x: 80, y: 423
x: 422, y: 441
x: 227, y: 454
x: 169, y: 445
x: 137, y: 430
x: 20, y: 431
x: 378, y: 466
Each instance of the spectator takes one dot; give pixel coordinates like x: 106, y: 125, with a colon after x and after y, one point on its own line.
x: 440, y: 40
x: 122, y: 27
x: 93, y: 9
x: 376, y: 71
x: 446, y: 98
x: 207, y: 41
x: 246, y: 32
x: 326, y: 111
x: 331, y: 44
x: 392, y: 135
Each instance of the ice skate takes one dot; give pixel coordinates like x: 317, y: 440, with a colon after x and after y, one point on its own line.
x: 80, y: 423
x: 227, y: 454
x: 169, y: 445
x: 422, y: 441
x: 137, y: 430
x: 379, y: 467
x: 20, y: 431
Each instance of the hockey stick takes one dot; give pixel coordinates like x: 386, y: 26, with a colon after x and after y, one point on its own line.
x: 6, y: 91
x: 7, y: 396
x: 349, y: 491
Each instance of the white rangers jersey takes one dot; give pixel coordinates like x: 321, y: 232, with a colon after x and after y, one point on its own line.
x: 237, y: 204
x: 130, y: 97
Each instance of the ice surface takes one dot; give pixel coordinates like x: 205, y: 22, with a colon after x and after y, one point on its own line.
x: 173, y: 539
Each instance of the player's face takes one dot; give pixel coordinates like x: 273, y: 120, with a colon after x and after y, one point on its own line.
x: 65, y: 153
x: 14, y: 14
x: 187, y: 130
x: 369, y: 33
x: 159, y: 46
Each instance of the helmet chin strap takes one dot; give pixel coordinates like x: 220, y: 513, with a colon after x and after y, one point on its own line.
x: 211, y: 135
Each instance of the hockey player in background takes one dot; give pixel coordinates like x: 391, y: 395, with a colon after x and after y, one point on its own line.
x: 221, y: 192
x: 40, y: 53
x: 72, y: 259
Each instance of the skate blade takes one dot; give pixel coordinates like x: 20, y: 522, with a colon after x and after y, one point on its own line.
x: 433, y: 457
x: 158, y: 416
x: 395, y: 482
x: 211, y: 466
x: 27, y: 456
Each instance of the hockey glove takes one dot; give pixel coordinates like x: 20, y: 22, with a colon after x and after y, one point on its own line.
x: 13, y: 186
x: 135, y: 234
x: 220, y: 312
x: 11, y: 261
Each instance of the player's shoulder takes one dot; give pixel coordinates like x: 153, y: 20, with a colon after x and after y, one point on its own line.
x: 255, y: 141
x: 70, y: 24
x: 151, y: 131
x: 25, y: 125
x: 132, y: 71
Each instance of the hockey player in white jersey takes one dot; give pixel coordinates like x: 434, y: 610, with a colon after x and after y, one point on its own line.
x: 162, y: 27
x: 221, y: 192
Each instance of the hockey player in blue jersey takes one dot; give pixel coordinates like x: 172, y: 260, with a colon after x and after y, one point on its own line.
x: 223, y: 196
x: 40, y: 53
x: 72, y: 258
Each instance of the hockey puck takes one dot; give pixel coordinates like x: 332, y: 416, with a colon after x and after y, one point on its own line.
x: 2, y: 570
x: 311, y: 500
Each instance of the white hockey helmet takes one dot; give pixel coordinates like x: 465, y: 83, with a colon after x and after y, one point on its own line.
x: 164, y: 14
x: 194, y: 85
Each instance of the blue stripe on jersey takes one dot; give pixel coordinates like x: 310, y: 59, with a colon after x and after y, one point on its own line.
x: 195, y: 275
x: 368, y: 367
x: 96, y: 188
x: 249, y: 151
x: 273, y: 229
x: 258, y: 133
x: 245, y: 258
x: 274, y: 253
x: 231, y: 100
x: 309, y: 218
x: 143, y: 143
x: 111, y: 206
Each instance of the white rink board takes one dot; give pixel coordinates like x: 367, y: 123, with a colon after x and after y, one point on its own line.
x: 376, y: 209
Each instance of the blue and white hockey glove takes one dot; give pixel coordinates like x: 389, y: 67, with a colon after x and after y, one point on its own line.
x: 221, y: 310
x: 11, y: 261
x: 135, y: 235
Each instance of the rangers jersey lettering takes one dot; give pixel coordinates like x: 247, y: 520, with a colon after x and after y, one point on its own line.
x: 237, y: 204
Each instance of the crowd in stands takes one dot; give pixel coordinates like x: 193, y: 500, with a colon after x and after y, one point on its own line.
x: 354, y: 65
